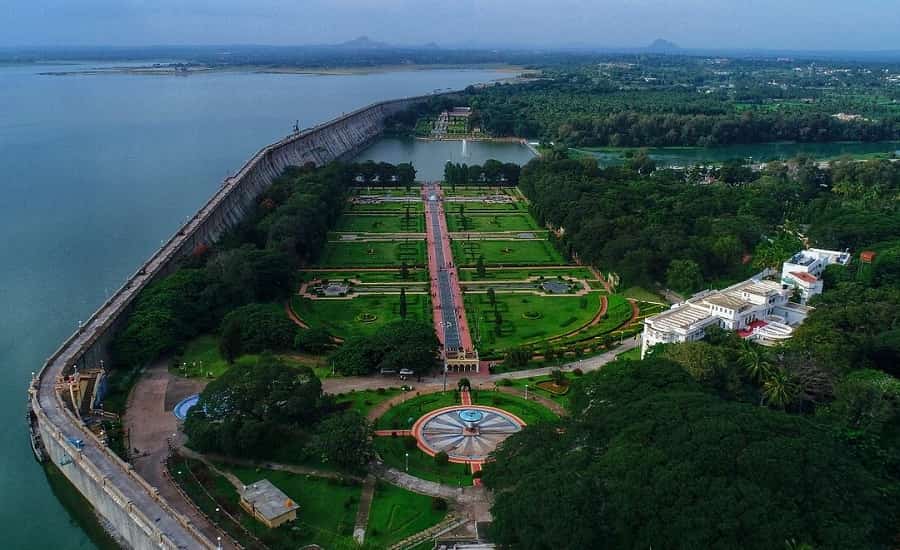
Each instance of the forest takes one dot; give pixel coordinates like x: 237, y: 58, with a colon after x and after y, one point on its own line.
x: 646, y: 101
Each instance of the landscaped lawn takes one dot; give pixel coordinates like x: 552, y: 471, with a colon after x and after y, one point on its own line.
x: 327, y: 508
x: 522, y: 273
x: 403, y: 415
x: 521, y: 252
x: 519, y: 383
x: 373, y: 254
x: 393, y: 450
x: 484, y: 207
x: 634, y: 354
x: 203, y: 359
x: 526, y: 319
x: 350, y: 223
x: 344, y: 318
x: 387, y: 276
x: 397, y: 513
x: 363, y: 401
x: 618, y: 311
x: 481, y: 222
x: 643, y: 295
x: 386, y: 207
x: 531, y: 412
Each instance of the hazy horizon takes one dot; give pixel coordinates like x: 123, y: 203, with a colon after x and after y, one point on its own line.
x: 801, y: 25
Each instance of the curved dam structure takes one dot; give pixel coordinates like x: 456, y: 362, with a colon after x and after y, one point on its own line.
x: 131, y: 506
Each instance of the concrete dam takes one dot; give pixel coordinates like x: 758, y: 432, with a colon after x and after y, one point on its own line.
x: 133, y: 508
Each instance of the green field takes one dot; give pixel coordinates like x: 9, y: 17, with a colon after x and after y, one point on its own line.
x: 363, y: 401
x: 530, y: 412
x: 523, y: 273
x: 373, y: 254
x: 483, y: 207
x: 393, y: 450
x: 519, y: 384
x: 618, y: 311
x: 397, y: 513
x: 482, y: 222
x: 342, y: 318
x: 377, y: 223
x: 386, y: 276
x: 537, y: 252
x: 201, y: 359
x: 403, y: 415
x: 555, y: 315
x: 392, y: 208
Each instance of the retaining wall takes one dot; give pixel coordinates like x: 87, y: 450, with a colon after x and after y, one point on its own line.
x: 126, y: 500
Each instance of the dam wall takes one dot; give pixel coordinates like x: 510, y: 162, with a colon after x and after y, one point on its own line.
x: 132, y: 506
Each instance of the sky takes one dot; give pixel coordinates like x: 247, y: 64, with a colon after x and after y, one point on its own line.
x: 725, y: 24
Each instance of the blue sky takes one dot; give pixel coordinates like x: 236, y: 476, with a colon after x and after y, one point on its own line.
x: 782, y: 24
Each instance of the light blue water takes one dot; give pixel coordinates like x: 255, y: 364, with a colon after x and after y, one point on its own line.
x: 95, y: 171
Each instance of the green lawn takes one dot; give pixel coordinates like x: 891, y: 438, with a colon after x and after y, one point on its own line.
x: 389, y: 276
x: 530, y: 412
x: 350, y: 223
x: 519, y: 383
x: 520, y: 274
x: 373, y: 254
x: 343, y: 318
x: 618, y: 311
x: 537, y: 252
x: 202, y: 357
x: 327, y: 508
x: 484, y: 207
x: 643, y: 295
x: 393, y: 450
x: 527, y: 319
x: 397, y: 513
x: 386, y: 207
x: 403, y: 415
x: 363, y: 401
x: 481, y: 222
x: 633, y: 354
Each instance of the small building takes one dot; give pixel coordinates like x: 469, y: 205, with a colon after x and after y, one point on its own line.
x: 804, y: 270
x: 867, y: 256
x: 267, y: 503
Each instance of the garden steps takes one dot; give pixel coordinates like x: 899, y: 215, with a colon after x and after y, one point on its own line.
x: 432, y: 532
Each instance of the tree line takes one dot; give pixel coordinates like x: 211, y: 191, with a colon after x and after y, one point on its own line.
x: 493, y: 172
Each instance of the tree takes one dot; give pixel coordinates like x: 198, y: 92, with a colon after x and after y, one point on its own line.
x: 644, y: 434
x: 779, y: 388
x: 404, y: 344
x: 312, y: 340
x: 755, y: 361
x: 344, y: 439
x: 492, y: 171
x: 404, y: 271
x: 684, y: 276
x: 406, y: 174
x: 253, y: 410
x: 480, y: 268
x: 441, y: 458
x: 464, y: 383
x: 492, y: 296
x: 498, y: 322
x: 262, y: 327
x: 230, y: 343
x: 403, y: 303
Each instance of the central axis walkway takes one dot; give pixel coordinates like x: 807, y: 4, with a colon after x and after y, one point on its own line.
x: 446, y: 296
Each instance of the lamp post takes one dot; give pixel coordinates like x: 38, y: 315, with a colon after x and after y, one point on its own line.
x: 526, y: 392
x: 407, y: 462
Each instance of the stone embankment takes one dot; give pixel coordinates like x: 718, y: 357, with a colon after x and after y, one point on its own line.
x: 134, y: 508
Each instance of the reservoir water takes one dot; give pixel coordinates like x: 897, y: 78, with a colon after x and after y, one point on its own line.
x: 95, y: 171
x: 429, y: 157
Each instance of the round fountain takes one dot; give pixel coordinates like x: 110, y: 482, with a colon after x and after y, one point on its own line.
x: 466, y: 433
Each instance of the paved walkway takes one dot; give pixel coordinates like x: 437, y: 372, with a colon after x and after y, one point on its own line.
x: 449, y: 313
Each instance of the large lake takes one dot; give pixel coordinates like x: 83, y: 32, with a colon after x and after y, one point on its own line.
x: 96, y: 170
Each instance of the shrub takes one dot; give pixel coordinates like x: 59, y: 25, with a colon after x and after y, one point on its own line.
x: 437, y: 503
x: 442, y: 458
x: 504, y: 382
x: 409, y: 443
x: 578, y: 372
x: 477, y: 474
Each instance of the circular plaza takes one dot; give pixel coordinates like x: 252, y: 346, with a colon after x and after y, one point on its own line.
x: 467, y: 433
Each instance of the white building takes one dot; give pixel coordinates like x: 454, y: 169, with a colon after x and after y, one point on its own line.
x: 804, y: 270
x: 755, y: 308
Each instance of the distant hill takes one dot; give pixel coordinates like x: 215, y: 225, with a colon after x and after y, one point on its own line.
x: 364, y: 43
x: 663, y: 46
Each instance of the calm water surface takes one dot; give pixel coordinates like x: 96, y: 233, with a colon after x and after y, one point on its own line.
x: 95, y: 171
x: 429, y: 157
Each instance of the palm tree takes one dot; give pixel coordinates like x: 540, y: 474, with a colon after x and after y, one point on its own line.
x: 779, y: 388
x: 755, y: 361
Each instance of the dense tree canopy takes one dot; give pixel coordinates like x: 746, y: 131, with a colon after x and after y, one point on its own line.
x: 649, y: 458
x: 405, y: 344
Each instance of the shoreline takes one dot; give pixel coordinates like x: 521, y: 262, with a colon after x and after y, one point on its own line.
x: 180, y: 70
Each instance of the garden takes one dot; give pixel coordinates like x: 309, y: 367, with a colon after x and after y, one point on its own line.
x: 373, y: 253
x: 361, y: 315
x: 510, y: 253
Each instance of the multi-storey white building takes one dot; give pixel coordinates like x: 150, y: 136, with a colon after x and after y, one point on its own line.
x: 804, y: 270
x: 756, y: 309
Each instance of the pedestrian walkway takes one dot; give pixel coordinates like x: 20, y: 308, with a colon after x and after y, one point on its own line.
x: 446, y: 296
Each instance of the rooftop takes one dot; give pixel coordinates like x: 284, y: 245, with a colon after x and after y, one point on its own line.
x: 803, y: 276
x: 727, y: 301
x: 268, y: 500
x: 680, y: 317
